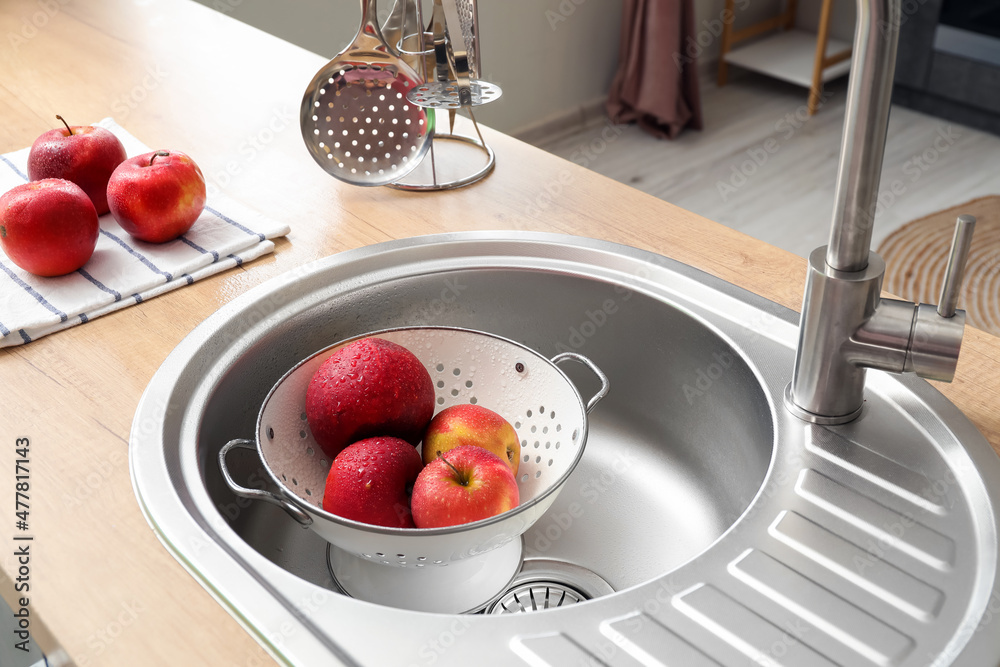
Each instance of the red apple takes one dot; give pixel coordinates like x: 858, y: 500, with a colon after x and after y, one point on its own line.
x: 472, y: 425
x: 157, y: 196
x: 366, y: 388
x: 84, y: 154
x: 48, y: 227
x: 465, y: 484
x: 370, y: 482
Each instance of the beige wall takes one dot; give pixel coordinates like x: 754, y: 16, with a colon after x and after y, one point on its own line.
x: 551, y: 57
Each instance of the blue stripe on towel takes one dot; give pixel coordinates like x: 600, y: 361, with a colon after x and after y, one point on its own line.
x: 24, y: 336
x: 14, y: 167
x: 235, y: 224
x: 83, y: 318
x: 4, y: 331
x: 215, y: 254
x: 239, y: 260
x: 101, y: 286
x: 188, y: 278
x: 38, y: 297
x: 137, y: 297
x: 138, y: 255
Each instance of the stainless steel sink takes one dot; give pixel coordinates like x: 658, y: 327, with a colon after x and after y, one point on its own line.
x: 705, y: 524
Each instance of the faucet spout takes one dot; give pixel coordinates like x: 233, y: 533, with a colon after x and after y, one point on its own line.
x: 865, y: 125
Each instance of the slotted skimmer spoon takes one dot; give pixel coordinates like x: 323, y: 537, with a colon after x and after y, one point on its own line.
x: 355, y: 117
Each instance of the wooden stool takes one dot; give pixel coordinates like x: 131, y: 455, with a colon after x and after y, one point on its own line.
x: 785, y: 54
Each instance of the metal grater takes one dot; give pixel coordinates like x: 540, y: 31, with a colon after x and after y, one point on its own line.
x: 469, y: 20
x: 463, y: 63
x: 457, y: 65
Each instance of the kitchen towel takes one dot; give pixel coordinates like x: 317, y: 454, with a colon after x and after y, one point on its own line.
x: 124, y: 271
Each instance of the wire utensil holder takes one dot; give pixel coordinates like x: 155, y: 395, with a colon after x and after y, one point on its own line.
x: 448, y: 60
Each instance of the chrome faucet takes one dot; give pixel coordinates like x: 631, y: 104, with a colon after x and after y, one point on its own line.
x: 846, y: 328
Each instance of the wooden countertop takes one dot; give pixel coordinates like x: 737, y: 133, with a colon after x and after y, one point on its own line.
x: 178, y: 75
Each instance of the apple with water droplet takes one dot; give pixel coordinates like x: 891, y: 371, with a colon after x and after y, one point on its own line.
x: 157, y: 196
x: 369, y: 387
x: 469, y: 424
x: 84, y: 154
x: 370, y: 481
x: 463, y: 485
x: 48, y: 227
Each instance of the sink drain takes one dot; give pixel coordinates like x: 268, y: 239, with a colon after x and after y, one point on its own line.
x: 536, y: 596
x: 548, y: 584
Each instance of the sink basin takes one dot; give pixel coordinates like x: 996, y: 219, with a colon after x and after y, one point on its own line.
x: 703, y: 525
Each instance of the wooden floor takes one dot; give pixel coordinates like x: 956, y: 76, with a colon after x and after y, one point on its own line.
x: 763, y: 167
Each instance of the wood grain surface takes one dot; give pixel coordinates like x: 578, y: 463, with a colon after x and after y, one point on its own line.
x: 178, y: 75
x: 916, y: 256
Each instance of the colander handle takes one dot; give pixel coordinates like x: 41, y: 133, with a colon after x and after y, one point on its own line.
x: 257, y: 494
x: 605, y: 385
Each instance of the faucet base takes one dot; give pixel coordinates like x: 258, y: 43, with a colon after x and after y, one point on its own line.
x: 813, y: 418
x: 846, y: 328
x: 825, y: 381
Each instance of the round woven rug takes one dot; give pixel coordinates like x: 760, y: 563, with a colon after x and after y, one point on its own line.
x: 916, y: 255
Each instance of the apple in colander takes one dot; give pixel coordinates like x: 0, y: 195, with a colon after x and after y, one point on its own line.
x: 469, y: 424
x: 369, y: 387
x: 371, y: 480
x: 463, y: 485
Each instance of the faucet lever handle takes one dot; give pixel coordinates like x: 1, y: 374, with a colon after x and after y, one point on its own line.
x: 955, y: 271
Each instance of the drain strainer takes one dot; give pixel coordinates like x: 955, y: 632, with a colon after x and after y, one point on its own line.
x: 536, y: 596
x: 548, y: 584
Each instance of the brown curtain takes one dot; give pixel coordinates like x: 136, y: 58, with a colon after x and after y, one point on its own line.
x: 656, y: 84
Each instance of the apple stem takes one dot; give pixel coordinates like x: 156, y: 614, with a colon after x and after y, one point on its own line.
x: 156, y: 155
x: 70, y: 129
x: 461, y: 478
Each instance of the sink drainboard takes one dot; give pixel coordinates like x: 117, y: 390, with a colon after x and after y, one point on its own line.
x: 704, y: 525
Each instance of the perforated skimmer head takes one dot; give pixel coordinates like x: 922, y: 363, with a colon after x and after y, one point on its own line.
x: 355, y: 118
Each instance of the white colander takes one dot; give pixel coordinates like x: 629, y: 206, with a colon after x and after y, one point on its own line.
x: 406, y: 566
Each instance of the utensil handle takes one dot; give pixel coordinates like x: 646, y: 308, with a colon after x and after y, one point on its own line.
x: 440, y: 43
x: 579, y: 358
x: 370, y: 34
x: 257, y: 494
